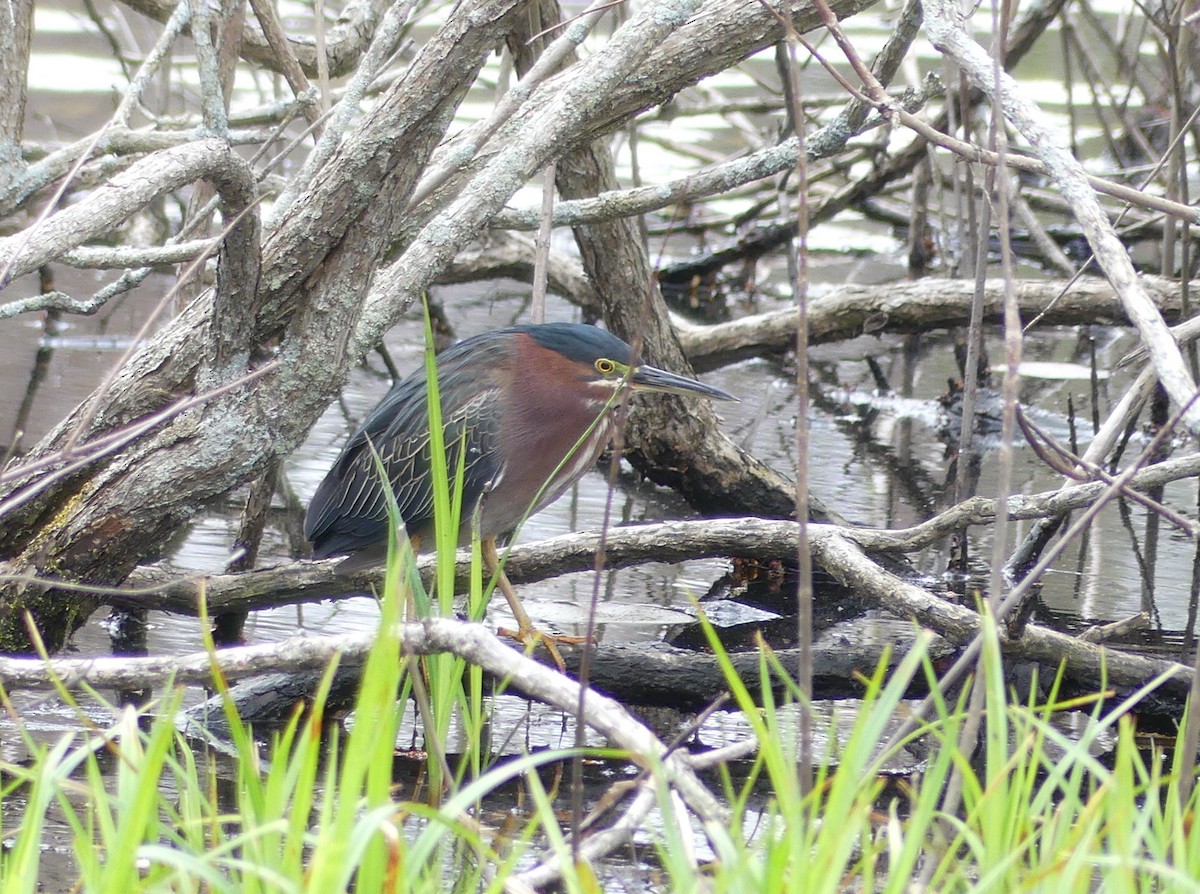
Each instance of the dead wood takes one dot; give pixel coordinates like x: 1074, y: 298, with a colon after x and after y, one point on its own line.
x: 1083, y: 662
x: 756, y: 538
x: 648, y: 675
x: 324, y: 296
x: 921, y: 305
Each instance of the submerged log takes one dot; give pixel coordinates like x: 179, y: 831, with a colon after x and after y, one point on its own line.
x: 640, y: 675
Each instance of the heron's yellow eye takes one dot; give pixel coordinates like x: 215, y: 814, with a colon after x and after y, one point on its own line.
x: 605, y: 366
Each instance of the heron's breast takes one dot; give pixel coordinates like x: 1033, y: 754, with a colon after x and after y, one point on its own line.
x: 548, y: 442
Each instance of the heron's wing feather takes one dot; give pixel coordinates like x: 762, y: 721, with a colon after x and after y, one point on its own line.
x: 349, y: 510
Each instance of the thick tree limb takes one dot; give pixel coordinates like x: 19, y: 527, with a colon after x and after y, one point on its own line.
x: 827, y: 141
x: 1083, y: 661
x: 277, y: 675
x: 719, y: 34
x: 113, y: 140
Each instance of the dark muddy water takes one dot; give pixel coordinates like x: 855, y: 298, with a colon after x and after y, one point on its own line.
x: 879, y: 460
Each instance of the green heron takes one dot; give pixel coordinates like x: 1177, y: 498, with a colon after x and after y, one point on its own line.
x: 530, y: 406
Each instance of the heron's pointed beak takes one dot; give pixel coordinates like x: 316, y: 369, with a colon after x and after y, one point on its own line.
x: 651, y: 378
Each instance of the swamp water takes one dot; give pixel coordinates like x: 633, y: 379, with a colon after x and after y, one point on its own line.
x: 879, y: 459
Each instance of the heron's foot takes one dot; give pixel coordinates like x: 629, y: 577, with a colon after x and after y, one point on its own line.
x: 530, y: 637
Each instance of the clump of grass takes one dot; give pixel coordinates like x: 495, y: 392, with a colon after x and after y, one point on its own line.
x: 1041, y: 809
x: 311, y: 810
x: 314, y: 810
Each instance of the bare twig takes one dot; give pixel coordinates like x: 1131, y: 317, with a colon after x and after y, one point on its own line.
x: 943, y: 24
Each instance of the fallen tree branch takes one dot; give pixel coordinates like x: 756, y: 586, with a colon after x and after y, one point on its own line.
x: 472, y: 642
x: 649, y: 675
x: 765, y: 539
x: 917, y: 306
x: 1082, y: 661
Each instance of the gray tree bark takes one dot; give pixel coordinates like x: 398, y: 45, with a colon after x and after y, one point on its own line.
x: 242, y: 373
x: 16, y: 29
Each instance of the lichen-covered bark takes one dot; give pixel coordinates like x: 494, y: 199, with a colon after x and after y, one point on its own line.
x: 97, y: 525
x: 334, y: 276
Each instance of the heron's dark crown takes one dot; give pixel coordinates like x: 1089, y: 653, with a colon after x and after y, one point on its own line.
x: 579, y: 342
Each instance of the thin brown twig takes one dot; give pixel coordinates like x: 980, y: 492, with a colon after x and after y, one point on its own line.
x: 1066, y: 463
x: 889, y: 108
